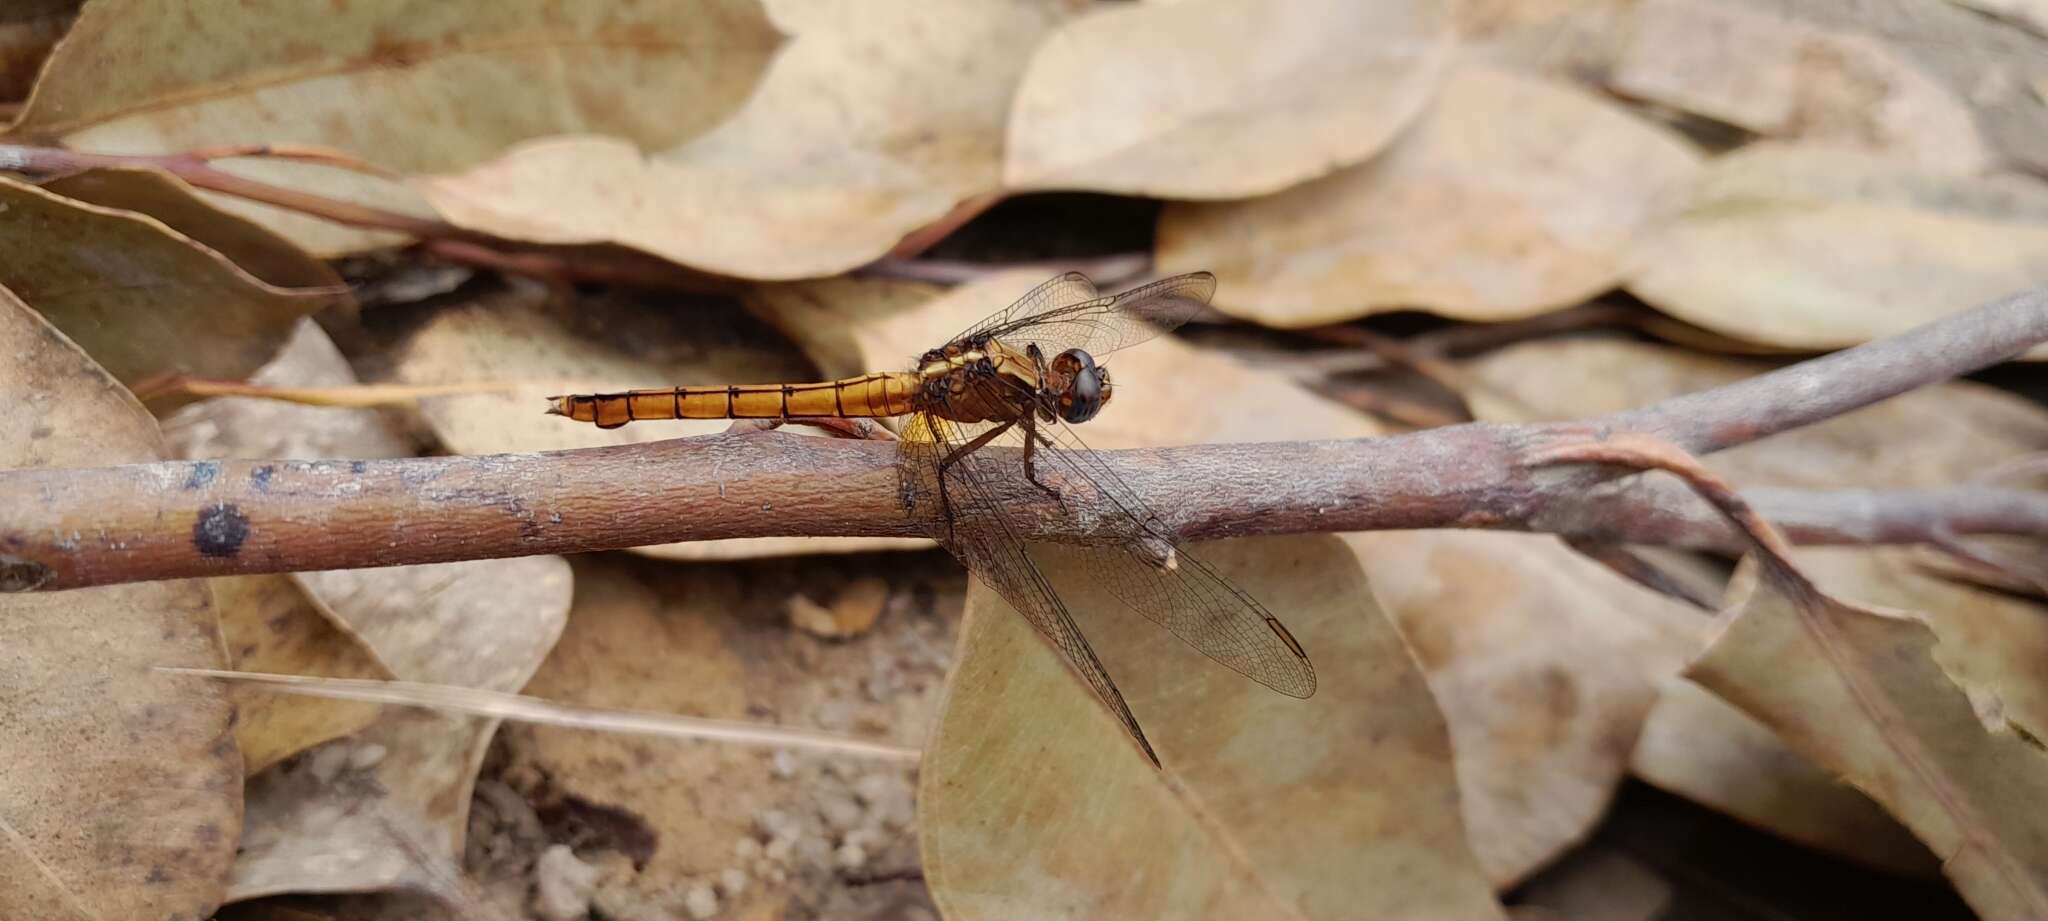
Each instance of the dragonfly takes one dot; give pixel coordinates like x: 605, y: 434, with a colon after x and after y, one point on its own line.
x: 1023, y: 378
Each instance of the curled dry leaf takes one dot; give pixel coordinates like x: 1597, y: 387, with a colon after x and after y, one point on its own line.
x: 1032, y: 803
x: 142, y: 299
x: 414, y: 89
x: 768, y: 828
x: 121, y: 795
x: 1859, y: 692
x: 877, y: 120
x: 1546, y: 667
x: 1820, y: 248
x: 271, y: 626
x: 1988, y: 638
x: 1221, y: 98
x: 589, y: 345
x: 1509, y: 197
x: 1780, y: 78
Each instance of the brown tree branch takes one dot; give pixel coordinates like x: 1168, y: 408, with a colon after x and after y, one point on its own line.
x: 79, y: 527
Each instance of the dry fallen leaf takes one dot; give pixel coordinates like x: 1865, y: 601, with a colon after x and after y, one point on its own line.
x: 271, y: 626
x: 2030, y: 13
x: 1545, y: 669
x: 120, y: 786
x: 1818, y: 248
x: 159, y: 195
x: 563, y: 346
x: 411, y: 88
x: 1032, y: 802
x: 1988, y: 639
x: 1780, y: 78
x: 760, y: 832
x: 1221, y: 98
x: 1700, y: 747
x: 1509, y: 197
x: 1859, y: 692
x: 879, y: 118
x: 388, y: 806
x: 141, y: 298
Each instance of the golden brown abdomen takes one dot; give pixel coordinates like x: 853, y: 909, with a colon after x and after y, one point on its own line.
x: 868, y: 396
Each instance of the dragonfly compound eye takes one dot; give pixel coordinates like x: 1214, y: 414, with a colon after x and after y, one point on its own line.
x: 1086, y: 388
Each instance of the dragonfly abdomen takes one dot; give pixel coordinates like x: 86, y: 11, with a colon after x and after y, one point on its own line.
x: 868, y: 396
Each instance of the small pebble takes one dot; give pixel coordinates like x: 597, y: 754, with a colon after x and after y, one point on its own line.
x: 562, y: 885
x: 851, y: 856
x: 701, y: 903
x: 840, y: 812
x: 366, y: 757
x: 732, y: 881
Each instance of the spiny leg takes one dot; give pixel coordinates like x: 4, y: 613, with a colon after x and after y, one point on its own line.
x: 1031, y: 440
x: 955, y: 456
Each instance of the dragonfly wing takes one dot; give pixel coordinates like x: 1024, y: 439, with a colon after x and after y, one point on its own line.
x: 1046, y: 317
x: 1191, y: 600
x: 982, y: 538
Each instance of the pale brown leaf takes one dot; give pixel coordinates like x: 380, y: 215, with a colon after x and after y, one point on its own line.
x: 1859, y: 692
x: 1509, y: 197
x: 1221, y: 98
x: 1819, y: 248
x: 142, y: 299
x: 414, y: 88
x: 120, y: 787
x: 1033, y: 803
x: 271, y: 626
x: 160, y: 195
x: 1956, y: 430
x: 1784, y: 79
x: 1545, y: 665
x: 1702, y: 748
x: 878, y: 119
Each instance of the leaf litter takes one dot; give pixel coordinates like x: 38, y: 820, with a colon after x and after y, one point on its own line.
x: 1509, y: 680
x: 123, y: 785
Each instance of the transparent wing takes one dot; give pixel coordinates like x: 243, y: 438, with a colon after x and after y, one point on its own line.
x: 976, y: 531
x: 1190, y: 600
x: 1065, y: 313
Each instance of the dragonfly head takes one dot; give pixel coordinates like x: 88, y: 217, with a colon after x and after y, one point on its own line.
x: 1083, y: 387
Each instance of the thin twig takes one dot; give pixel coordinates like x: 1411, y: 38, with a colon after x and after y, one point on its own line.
x: 69, y: 528
x: 518, y: 707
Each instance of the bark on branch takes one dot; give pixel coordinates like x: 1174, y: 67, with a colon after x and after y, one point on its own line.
x: 72, y: 528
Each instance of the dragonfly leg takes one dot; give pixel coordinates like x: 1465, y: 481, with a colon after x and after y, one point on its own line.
x: 1031, y: 440
x: 955, y: 456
